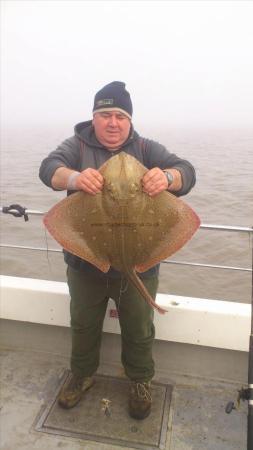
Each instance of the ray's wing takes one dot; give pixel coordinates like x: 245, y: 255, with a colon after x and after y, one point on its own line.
x: 79, y: 225
x: 171, y: 223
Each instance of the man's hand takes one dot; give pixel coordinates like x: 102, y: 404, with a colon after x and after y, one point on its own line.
x: 90, y: 180
x: 155, y: 181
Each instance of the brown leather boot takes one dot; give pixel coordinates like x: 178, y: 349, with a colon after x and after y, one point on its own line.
x: 73, y: 390
x: 140, y: 400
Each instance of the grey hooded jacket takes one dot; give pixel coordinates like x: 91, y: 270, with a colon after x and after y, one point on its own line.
x: 83, y: 150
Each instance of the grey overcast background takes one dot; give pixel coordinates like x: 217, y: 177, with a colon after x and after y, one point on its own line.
x: 185, y: 63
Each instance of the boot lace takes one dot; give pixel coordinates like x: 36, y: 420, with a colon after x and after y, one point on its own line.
x: 143, y: 391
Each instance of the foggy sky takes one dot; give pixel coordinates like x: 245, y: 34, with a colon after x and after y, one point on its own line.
x: 185, y: 63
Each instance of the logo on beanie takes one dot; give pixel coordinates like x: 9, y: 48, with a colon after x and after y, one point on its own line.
x: 105, y: 101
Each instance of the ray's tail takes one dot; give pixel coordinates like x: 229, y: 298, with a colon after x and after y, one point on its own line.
x: 136, y: 281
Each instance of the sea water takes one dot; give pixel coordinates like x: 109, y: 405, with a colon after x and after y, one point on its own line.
x: 223, y: 195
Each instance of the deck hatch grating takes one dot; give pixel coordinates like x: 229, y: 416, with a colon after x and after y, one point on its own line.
x: 87, y: 421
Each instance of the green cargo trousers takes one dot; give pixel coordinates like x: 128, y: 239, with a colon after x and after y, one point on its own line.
x: 89, y: 297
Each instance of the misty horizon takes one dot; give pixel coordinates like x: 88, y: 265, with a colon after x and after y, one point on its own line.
x: 186, y: 64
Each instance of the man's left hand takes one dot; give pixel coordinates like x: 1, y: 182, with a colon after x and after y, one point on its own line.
x: 154, y: 182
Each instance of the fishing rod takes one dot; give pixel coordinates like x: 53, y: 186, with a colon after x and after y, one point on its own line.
x: 250, y: 374
x: 246, y: 394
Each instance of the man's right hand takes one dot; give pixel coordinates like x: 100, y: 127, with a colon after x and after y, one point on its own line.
x: 90, y: 180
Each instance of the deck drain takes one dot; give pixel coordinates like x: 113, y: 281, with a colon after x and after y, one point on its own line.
x: 87, y: 421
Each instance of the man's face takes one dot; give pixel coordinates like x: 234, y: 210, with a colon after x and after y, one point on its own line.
x: 111, y: 128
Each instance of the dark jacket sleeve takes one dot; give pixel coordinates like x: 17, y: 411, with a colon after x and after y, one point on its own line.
x: 66, y: 155
x: 158, y: 156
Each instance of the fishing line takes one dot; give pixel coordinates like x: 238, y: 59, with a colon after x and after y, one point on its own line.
x: 122, y: 291
x: 119, y: 297
x: 250, y: 240
x: 47, y: 252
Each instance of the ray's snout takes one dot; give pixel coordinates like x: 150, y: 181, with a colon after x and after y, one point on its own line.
x: 122, y: 184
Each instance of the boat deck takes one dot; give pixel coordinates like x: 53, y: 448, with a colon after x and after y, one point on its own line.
x: 196, y: 418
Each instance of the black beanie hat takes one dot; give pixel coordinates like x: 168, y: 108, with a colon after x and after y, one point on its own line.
x: 113, y: 96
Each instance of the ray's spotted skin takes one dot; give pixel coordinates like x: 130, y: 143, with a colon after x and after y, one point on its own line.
x: 122, y: 226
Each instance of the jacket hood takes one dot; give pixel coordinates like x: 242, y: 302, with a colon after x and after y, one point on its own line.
x: 85, y: 132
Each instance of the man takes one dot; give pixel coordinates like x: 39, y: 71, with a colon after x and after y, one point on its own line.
x: 74, y: 166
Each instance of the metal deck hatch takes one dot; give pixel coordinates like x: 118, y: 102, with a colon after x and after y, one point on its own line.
x: 89, y: 421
